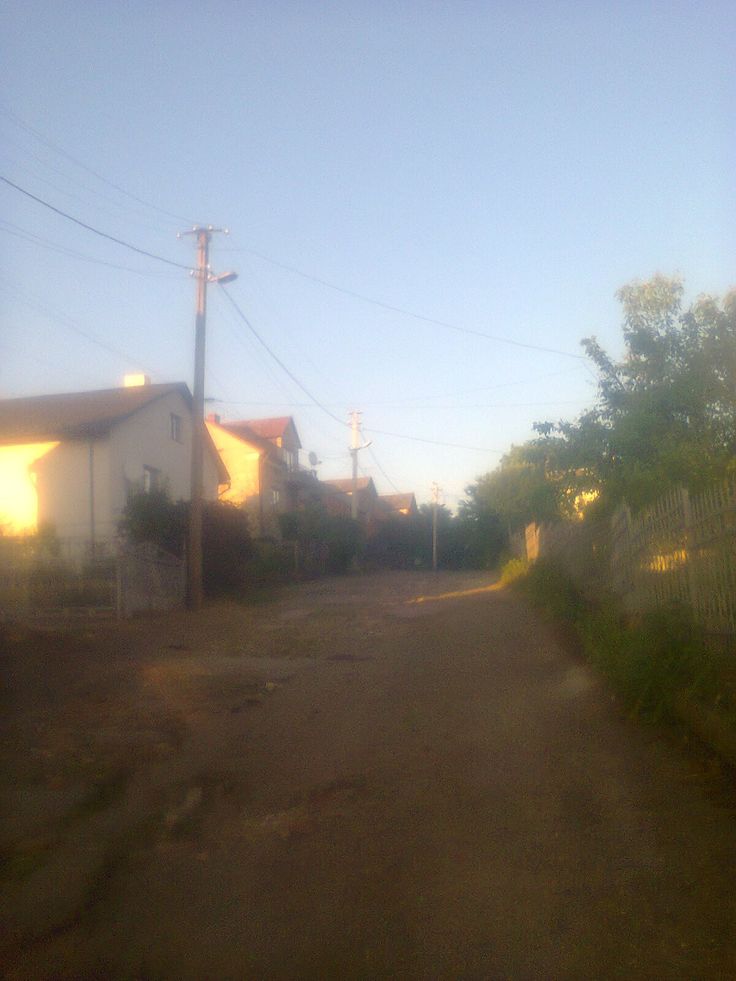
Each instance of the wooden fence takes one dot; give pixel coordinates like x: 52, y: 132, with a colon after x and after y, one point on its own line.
x: 149, y: 579
x: 62, y: 579
x: 682, y: 549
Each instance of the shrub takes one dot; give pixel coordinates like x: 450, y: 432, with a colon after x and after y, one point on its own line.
x: 342, y: 536
x: 226, y: 542
x: 648, y: 660
x: 514, y: 570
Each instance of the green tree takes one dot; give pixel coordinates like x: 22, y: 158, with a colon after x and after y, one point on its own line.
x: 666, y: 412
x: 526, y: 486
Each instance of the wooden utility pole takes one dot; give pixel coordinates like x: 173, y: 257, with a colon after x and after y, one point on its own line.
x: 435, y: 504
x: 355, y: 447
x: 203, y: 276
x: 194, y: 550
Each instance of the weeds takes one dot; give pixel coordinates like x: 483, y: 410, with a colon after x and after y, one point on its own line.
x: 650, y: 660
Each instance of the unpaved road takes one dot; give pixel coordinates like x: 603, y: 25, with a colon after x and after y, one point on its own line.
x: 341, y: 782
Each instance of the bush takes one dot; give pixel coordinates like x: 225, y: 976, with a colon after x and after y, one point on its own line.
x: 226, y: 542
x: 514, y: 570
x: 649, y: 661
x: 155, y: 518
x: 342, y: 536
x: 227, y: 547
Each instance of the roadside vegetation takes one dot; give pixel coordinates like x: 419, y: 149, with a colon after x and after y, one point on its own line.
x: 664, y: 418
x: 662, y: 665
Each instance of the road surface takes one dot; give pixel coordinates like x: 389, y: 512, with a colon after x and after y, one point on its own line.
x: 396, y: 776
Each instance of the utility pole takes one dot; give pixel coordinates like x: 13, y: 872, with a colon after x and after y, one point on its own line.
x: 435, y: 503
x: 203, y: 276
x: 355, y: 447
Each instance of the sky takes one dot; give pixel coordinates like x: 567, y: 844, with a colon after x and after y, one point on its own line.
x: 429, y: 205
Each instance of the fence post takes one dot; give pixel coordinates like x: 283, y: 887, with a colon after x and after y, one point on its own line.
x: 691, y: 577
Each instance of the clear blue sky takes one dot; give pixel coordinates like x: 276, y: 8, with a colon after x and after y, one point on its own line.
x: 501, y: 167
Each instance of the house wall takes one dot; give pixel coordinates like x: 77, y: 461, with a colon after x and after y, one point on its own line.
x: 18, y: 494
x: 73, y: 485
x: 145, y: 440
x: 289, y: 447
x: 56, y: 483
x: 256, y: 480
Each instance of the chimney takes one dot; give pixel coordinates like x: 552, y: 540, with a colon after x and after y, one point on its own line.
x: 134, y: 381
x: 213, y: 417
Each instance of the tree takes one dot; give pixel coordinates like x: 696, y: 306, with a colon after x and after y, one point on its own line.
x: 666, y: 412
x: 525, y: 487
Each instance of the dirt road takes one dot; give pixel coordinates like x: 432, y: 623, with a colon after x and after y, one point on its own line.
x: 345, y: 782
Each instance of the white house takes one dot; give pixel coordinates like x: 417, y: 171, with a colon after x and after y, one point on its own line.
x: 71, y: 461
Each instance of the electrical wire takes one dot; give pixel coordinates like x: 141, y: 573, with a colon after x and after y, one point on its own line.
x: 386, y: 476
x: 409, y: 313
x: 52, y: 146
x: 483, y: 388
x: 278, y: 360
x: 21, y: 233
x: 129, y: 212
x: 91, y: 228
x: 69, y: 324
x: 434, y: 442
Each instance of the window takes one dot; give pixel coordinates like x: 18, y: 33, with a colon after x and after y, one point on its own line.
x: 151, y: 479
x: 275, y: 498
x: 175, y: 427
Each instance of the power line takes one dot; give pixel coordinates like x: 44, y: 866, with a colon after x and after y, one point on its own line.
x: 278, y: 360
x: 71, y: 325
x: 21, y: 233
x: 52, y: 146
x: 434, y: 442
x: 532, y: 379
x: 91, y: 228
x: 375, y: 460
x: 129, y: 211
x: 409, y: 313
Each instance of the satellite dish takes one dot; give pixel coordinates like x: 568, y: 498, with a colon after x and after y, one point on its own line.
x: 313, y: 460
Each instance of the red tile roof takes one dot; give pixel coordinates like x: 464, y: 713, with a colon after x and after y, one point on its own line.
x: 243, y: 431
x: 268, y: 428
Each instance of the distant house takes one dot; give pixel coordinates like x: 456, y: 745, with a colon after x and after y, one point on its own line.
x: 399, y: 505
x: 370, y: 511
x: 262, y: 458
x: 334, y: 501
x: 72, y: 461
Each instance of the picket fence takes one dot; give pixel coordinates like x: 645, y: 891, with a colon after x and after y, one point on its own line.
x: 680, y: 550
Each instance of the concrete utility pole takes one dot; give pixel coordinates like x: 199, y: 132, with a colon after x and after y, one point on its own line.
x: 436, y: 490
x: 203, y: 276
x: 355, y: 447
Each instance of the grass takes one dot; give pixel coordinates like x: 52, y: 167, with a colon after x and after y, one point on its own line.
x: 652, y: 661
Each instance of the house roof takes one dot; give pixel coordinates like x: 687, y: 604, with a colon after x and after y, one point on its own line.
x: 243, y: 431
x: 74, y: 415
x: 268, y: 428
x: 83, y: 415
x: 346, y: 485
x: 399, y: 502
